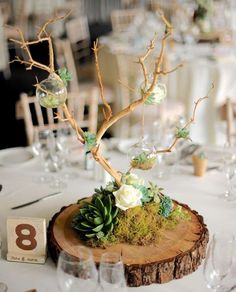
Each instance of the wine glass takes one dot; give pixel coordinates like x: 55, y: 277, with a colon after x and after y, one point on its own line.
x: 40, y: 149
x: 229, y: 161
x: 57, y: 161
x: 219, y: 260
x: 77, y: 273
x: 67, y: 140
x: 111, y: 273
x: 3, y: 287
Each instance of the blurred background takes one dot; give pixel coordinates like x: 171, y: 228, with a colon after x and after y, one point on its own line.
x: 204, y: 42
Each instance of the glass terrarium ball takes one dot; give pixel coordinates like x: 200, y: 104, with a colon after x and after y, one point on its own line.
x: 142, y: 155
x: 158, y: 94
x: 51, y: 92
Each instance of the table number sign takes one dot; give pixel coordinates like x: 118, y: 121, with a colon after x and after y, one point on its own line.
x: 26, y: 239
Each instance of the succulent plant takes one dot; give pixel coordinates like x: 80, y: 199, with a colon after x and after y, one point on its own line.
x: 166, y: 206
x: 144, y: 161
x: 96, y: 219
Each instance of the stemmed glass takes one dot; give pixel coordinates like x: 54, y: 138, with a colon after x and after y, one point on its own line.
x: 229, y: 160
x: 57, y: 160
x: 219, y: 260
x: 3, y: 287
x: 67, y: 140
x: 77, y: 273
x: 40, y: 149
x: 111, y: 273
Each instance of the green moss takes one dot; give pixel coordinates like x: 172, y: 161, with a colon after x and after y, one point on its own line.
x: 143, y: 164
x: 50, y: 101
x: 143, y: 225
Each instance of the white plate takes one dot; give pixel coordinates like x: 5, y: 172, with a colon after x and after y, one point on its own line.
x: 15, y: 156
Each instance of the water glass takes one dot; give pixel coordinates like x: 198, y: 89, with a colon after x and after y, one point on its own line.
x: 57, y: 161
x: 67, y: 138
x: 219, y: 260
x: 3, y: 287
x: 111, y: 273
x: 77, y: 273
x: 229, y: 161
x: 40, y: 149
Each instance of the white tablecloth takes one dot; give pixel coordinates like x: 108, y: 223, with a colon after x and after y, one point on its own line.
x: 201, y: 194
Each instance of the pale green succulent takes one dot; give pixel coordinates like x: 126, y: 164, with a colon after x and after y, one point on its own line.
x: 96, y: 219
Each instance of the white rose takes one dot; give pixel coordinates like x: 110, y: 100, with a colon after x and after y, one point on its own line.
x: 133, y: 179
x: 157, y: 95
x: 127, y: 197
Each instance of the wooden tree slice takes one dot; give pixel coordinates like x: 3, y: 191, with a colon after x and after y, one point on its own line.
x: 179, y: 252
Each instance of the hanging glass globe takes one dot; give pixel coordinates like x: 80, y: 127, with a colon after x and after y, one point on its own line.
x: 142, y: 155
x: 158, y: 94
x: 51, y: 92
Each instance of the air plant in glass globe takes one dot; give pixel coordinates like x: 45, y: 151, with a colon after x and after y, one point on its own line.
x: 51, y: 92
x: 142, y: 155
x: 158, y: 94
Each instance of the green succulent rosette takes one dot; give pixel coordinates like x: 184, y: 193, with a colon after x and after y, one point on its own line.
x: 96, y: 219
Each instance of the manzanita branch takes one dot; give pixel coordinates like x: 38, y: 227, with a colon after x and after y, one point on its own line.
x: 107, y: 108
x: 191, y: 120
x: 109, y: 118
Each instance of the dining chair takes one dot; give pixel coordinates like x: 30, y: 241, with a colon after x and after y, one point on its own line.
x: 228, y: 113
x: 84, y: 109
x: 77, y: 32
x: 122, y: 18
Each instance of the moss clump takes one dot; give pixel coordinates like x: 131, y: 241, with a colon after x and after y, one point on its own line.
x: 143, y: 161
x: 50, y: 101
x: 144, y: 225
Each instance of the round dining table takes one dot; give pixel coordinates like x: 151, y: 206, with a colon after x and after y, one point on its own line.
x: 20, y: 185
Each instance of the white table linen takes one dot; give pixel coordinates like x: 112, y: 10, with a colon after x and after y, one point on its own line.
x: 19, y: 186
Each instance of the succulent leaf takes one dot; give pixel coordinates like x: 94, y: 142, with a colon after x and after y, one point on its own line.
x: 96, y: 219
x: 99, y: 204
x: 108, y: 220
x: 85, y: 224
x: 98, y: 228
x: 91, y: 235
x: 114, y: 212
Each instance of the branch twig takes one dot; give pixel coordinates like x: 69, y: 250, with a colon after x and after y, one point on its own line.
x: 142, y: 59
x: 191, y: 120
x: 107, y: 109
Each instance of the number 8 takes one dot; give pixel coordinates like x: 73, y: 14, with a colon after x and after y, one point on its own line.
x: 30, y: 237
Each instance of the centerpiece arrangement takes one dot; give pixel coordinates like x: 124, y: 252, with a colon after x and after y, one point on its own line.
x: 127, y: 215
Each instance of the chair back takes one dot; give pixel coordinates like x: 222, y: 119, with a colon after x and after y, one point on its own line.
x: 121, y: 19
x: 83, y: 108
x: 65, y: 58
x: 77, y: 31
x: 228, y: 114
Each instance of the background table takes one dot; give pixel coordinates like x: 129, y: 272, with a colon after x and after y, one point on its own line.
x: 204, y: 64
x: 201, y: 194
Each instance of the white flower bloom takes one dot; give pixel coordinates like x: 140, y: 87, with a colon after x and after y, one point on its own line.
x: 133, y: 179
x: 128, y: 197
